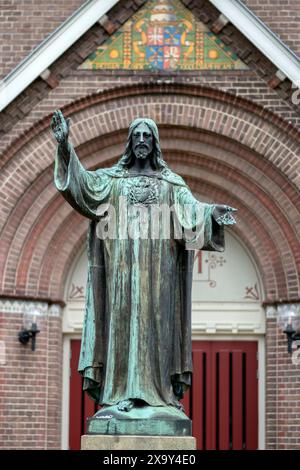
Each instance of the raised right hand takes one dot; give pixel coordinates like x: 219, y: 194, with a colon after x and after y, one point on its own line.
x: 60, y: 127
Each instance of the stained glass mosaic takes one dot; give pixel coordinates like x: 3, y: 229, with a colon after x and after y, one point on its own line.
x: 164, y: 35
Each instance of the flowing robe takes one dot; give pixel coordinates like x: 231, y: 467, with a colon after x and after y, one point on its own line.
x: 136, y: 338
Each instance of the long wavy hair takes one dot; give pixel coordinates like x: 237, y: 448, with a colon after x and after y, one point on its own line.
x: 156, y: 156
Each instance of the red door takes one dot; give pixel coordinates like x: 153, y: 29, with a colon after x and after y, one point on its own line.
x: 81, y: 406
x: 222, y: 402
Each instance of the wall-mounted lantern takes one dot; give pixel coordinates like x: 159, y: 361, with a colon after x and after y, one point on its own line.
x: 30, y: 327
x: 289, y: 321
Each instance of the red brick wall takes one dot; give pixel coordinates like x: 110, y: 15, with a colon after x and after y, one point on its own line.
x: 25, y: 23
x: 282, y: 393
x: 262, y: 69
x: 30, y: 386
x: 282, y: 17
x: 243, y: 84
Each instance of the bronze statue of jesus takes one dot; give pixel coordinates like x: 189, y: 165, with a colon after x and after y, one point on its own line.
x: 136, y: 341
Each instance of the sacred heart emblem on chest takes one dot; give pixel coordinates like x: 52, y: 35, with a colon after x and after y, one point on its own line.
x: 143, y: 190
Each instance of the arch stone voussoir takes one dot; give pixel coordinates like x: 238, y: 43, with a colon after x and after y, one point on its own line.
x: 220, y: 144
x: 190, y: 106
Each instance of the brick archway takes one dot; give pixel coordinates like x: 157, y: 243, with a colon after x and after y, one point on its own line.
x: 224, y: 147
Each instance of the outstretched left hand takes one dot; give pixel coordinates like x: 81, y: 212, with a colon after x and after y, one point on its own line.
x: 222, y: 214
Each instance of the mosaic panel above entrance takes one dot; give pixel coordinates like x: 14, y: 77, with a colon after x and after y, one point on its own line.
x: 164, y: 35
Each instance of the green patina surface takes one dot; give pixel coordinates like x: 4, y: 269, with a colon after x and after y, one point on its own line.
x: 164, y: 35
x: 136, y: 340
x: 147, y: 421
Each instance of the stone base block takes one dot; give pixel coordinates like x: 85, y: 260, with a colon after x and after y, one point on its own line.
x: 105, y: 442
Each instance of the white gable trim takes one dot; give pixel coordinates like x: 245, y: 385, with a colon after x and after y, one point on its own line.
x: 261, y: 37
x: 52, y: 48
x: 92, y: 10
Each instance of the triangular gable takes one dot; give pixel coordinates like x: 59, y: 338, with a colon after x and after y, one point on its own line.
x: 164, y: 35
x: 37, y: 63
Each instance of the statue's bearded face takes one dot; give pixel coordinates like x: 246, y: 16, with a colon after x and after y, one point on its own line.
x: 142, y: 141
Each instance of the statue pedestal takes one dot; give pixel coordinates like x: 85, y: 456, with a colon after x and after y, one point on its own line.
x: 140, y: 421
x: 105, y: 442
x: 141, y: 428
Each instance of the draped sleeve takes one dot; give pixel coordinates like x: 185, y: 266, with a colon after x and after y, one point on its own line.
x: 83, y: 189
x: 194, y: 223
